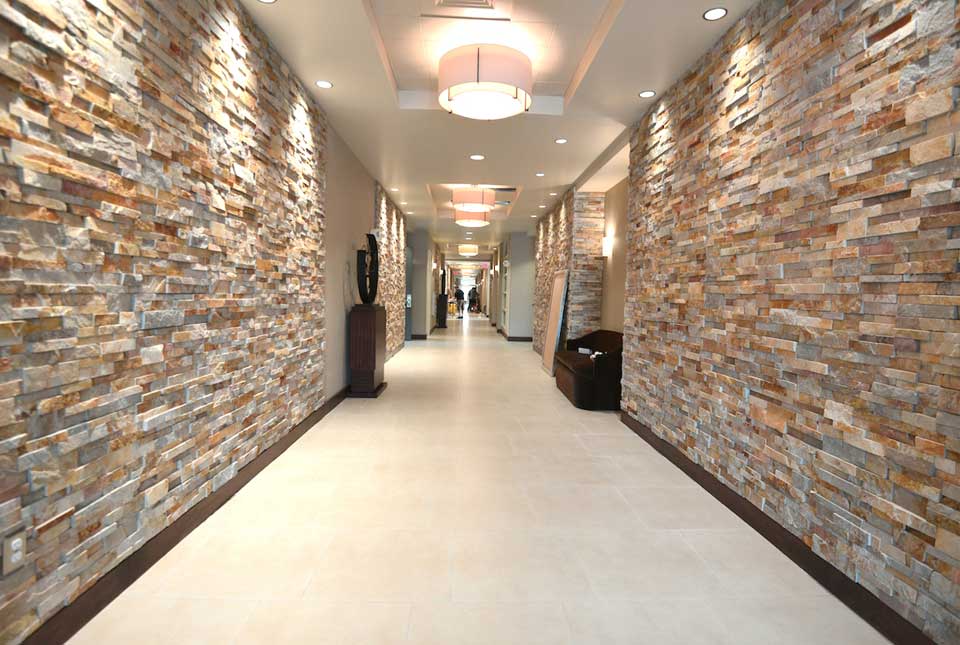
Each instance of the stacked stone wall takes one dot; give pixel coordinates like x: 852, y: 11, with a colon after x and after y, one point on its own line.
x: 161, y: 275
x: 793, y: 289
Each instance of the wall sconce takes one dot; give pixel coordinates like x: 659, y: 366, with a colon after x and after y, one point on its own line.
x: 607, y: 246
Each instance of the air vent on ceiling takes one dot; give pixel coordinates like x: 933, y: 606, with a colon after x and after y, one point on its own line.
x: 465, y: 4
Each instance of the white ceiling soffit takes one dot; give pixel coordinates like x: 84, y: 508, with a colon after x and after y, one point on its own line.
x: 649, y: 44
x: 412, y: 36
x: 609, y: 169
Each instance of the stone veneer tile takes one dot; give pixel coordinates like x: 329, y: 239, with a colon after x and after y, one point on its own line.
x: 570, y: 237
x: 392, y: 292
x: 792, y: 284
x: 161, y: 298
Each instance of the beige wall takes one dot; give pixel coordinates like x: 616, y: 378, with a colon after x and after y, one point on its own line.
x: 615, y: 268
x: 349, y: 216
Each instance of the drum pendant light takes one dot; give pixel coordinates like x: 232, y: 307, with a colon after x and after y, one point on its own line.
x: 474, y: 199
x: 471, y: 220
x: 485, y: 82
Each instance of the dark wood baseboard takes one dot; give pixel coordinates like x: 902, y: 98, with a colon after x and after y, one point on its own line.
x: 418, y: 337
x: 515, y: 339
x: 855, y: 596
x: 68, y: 621
x: 367, y: 395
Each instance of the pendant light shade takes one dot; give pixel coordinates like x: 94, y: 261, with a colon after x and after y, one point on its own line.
x: 468, y: 250
x: 474, y: 199
x: 485, y: 82
x: 471, y: 220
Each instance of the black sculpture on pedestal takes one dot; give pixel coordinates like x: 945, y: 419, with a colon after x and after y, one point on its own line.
x: 368, y: 327
x: 368, y: 275
x: 442, y: 301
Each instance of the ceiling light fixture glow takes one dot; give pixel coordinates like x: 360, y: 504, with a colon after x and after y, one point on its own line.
x: 474, y: 199
x: 469, y: 219
x: 477, y: 157
x: 561, y: 141
x: 540, y: 174
x: 714, y: 14
x: 468, y: 250
x: 485, y: 82
x: 553, y: 194
x: 323, y: 85
x: 647, y: 94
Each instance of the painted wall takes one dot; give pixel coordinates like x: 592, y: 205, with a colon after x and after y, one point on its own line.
x: 522, y: 277
x: 792, y: 284
x: 423, y: 300
x: 350, y: 193
x: 615, y: 266
x: 162, y: 311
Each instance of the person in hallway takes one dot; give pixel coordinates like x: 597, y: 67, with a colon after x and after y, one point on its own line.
x: 474, y: 300
x: 459, y: 296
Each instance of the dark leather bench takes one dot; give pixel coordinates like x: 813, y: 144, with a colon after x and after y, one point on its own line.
x: 592, y: 384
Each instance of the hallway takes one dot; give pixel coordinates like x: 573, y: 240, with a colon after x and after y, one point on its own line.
x: 472, y: 504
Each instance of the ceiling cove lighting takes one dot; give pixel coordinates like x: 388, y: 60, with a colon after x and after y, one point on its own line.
x: 485, y: 82
x: 468, y: 250
x: 467, y: 219
x: 647, y: 94
x: 714, y: 14
x: 474, y: 199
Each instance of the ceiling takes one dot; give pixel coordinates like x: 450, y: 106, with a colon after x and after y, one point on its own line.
x: 590, y: 59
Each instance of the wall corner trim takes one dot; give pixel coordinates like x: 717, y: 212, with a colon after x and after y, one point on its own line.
x: 60, y: 627
x: 855, y: 596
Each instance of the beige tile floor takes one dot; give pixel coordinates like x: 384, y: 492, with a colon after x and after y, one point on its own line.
x: 471, y: 504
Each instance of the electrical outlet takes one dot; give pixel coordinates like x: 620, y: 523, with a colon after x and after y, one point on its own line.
x: 14, y: 552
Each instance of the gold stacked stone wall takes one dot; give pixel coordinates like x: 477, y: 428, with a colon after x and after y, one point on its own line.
x: 793, y: 289
x: 570, y: 238
x: 392, y: 294
x: 161, y: 275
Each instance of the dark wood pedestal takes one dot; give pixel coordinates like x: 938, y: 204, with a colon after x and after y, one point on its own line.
x: 368, y: 350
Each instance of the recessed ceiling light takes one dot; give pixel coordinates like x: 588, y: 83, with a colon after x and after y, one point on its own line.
x: 543, y: 205
x: 540, y: 174
x: 403, y: 203
x: 714, y: 14
x: 477, y: 157
x: 647, y: 94
x: 323, y: 85
x: 534, y: 216
x: 393, y: 190
x: 553, y: 194
x: 561, y: 141
x: 267, y: 1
